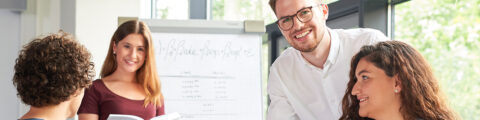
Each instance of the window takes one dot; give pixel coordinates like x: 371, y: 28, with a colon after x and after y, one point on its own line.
x: 170, y: 9
x: 447, y: 33
x: 242, y: 10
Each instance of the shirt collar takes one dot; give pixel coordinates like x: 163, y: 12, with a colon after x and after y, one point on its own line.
x: 334, y: 47
x: 332, y: 54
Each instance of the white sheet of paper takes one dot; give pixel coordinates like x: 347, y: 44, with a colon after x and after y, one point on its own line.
x: 210, y: 76
x: 171, y: 116
x: 123, y: 117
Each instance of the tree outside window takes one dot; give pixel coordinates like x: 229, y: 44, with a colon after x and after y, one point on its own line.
x: 447, y: 33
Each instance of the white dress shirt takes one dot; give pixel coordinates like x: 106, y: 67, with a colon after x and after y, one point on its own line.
x: 299, y: 90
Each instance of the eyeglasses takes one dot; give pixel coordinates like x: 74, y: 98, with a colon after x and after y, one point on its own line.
x: 303, y: 15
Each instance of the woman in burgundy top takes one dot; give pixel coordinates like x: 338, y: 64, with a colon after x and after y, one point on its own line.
x: 129, y: 83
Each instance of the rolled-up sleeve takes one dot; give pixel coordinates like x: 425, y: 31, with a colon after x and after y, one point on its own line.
x: 279, y: 108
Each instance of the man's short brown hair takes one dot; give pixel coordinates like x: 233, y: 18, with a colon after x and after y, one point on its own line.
x: 51, y: 69
x: 272, y: 5
x: 273, y: 2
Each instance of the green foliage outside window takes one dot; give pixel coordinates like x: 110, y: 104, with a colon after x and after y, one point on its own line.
x: 447, y: 33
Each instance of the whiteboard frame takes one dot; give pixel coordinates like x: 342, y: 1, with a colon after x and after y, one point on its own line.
x: 197, y: 26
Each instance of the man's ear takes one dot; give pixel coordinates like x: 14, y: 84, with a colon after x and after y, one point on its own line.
x: 398, y: 83
x: 325, y: 10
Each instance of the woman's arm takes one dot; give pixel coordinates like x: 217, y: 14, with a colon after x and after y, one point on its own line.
x: 87, y: 116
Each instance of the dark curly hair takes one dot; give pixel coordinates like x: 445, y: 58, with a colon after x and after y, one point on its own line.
x: 51, y: 69
x: 421, y: 95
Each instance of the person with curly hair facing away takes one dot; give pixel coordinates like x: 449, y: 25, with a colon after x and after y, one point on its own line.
x: 129, y: 82
x: 50, y: 76
x: 392, y: 81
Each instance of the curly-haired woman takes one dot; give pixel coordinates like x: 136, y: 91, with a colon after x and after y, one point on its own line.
x: 50, y: 76
x: 392, y: 81
x: 129, y: 82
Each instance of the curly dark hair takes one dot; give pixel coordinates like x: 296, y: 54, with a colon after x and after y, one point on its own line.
x: 51, y: 69
x: 421, y: 95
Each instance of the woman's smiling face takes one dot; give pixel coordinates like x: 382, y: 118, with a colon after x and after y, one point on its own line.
x: 374, y: 89
x: 130, y: 53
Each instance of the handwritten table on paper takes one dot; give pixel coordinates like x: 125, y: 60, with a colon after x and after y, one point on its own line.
x: 210, y: 76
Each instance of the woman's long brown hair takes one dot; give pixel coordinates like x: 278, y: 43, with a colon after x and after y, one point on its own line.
x: 147, y: 73
x: 421, y: 97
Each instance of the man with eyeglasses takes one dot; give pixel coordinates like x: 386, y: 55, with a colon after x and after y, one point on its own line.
x: 308, y: 81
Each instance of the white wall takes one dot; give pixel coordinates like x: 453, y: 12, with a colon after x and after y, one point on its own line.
x: 48, y: 16
x: 97, y: 21
x: 10, y: 35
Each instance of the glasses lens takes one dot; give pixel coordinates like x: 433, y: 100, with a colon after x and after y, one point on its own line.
x: 285, y: 23
x: 305, y: 15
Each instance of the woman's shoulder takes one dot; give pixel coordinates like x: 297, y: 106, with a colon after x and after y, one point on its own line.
x: 97, y: 85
